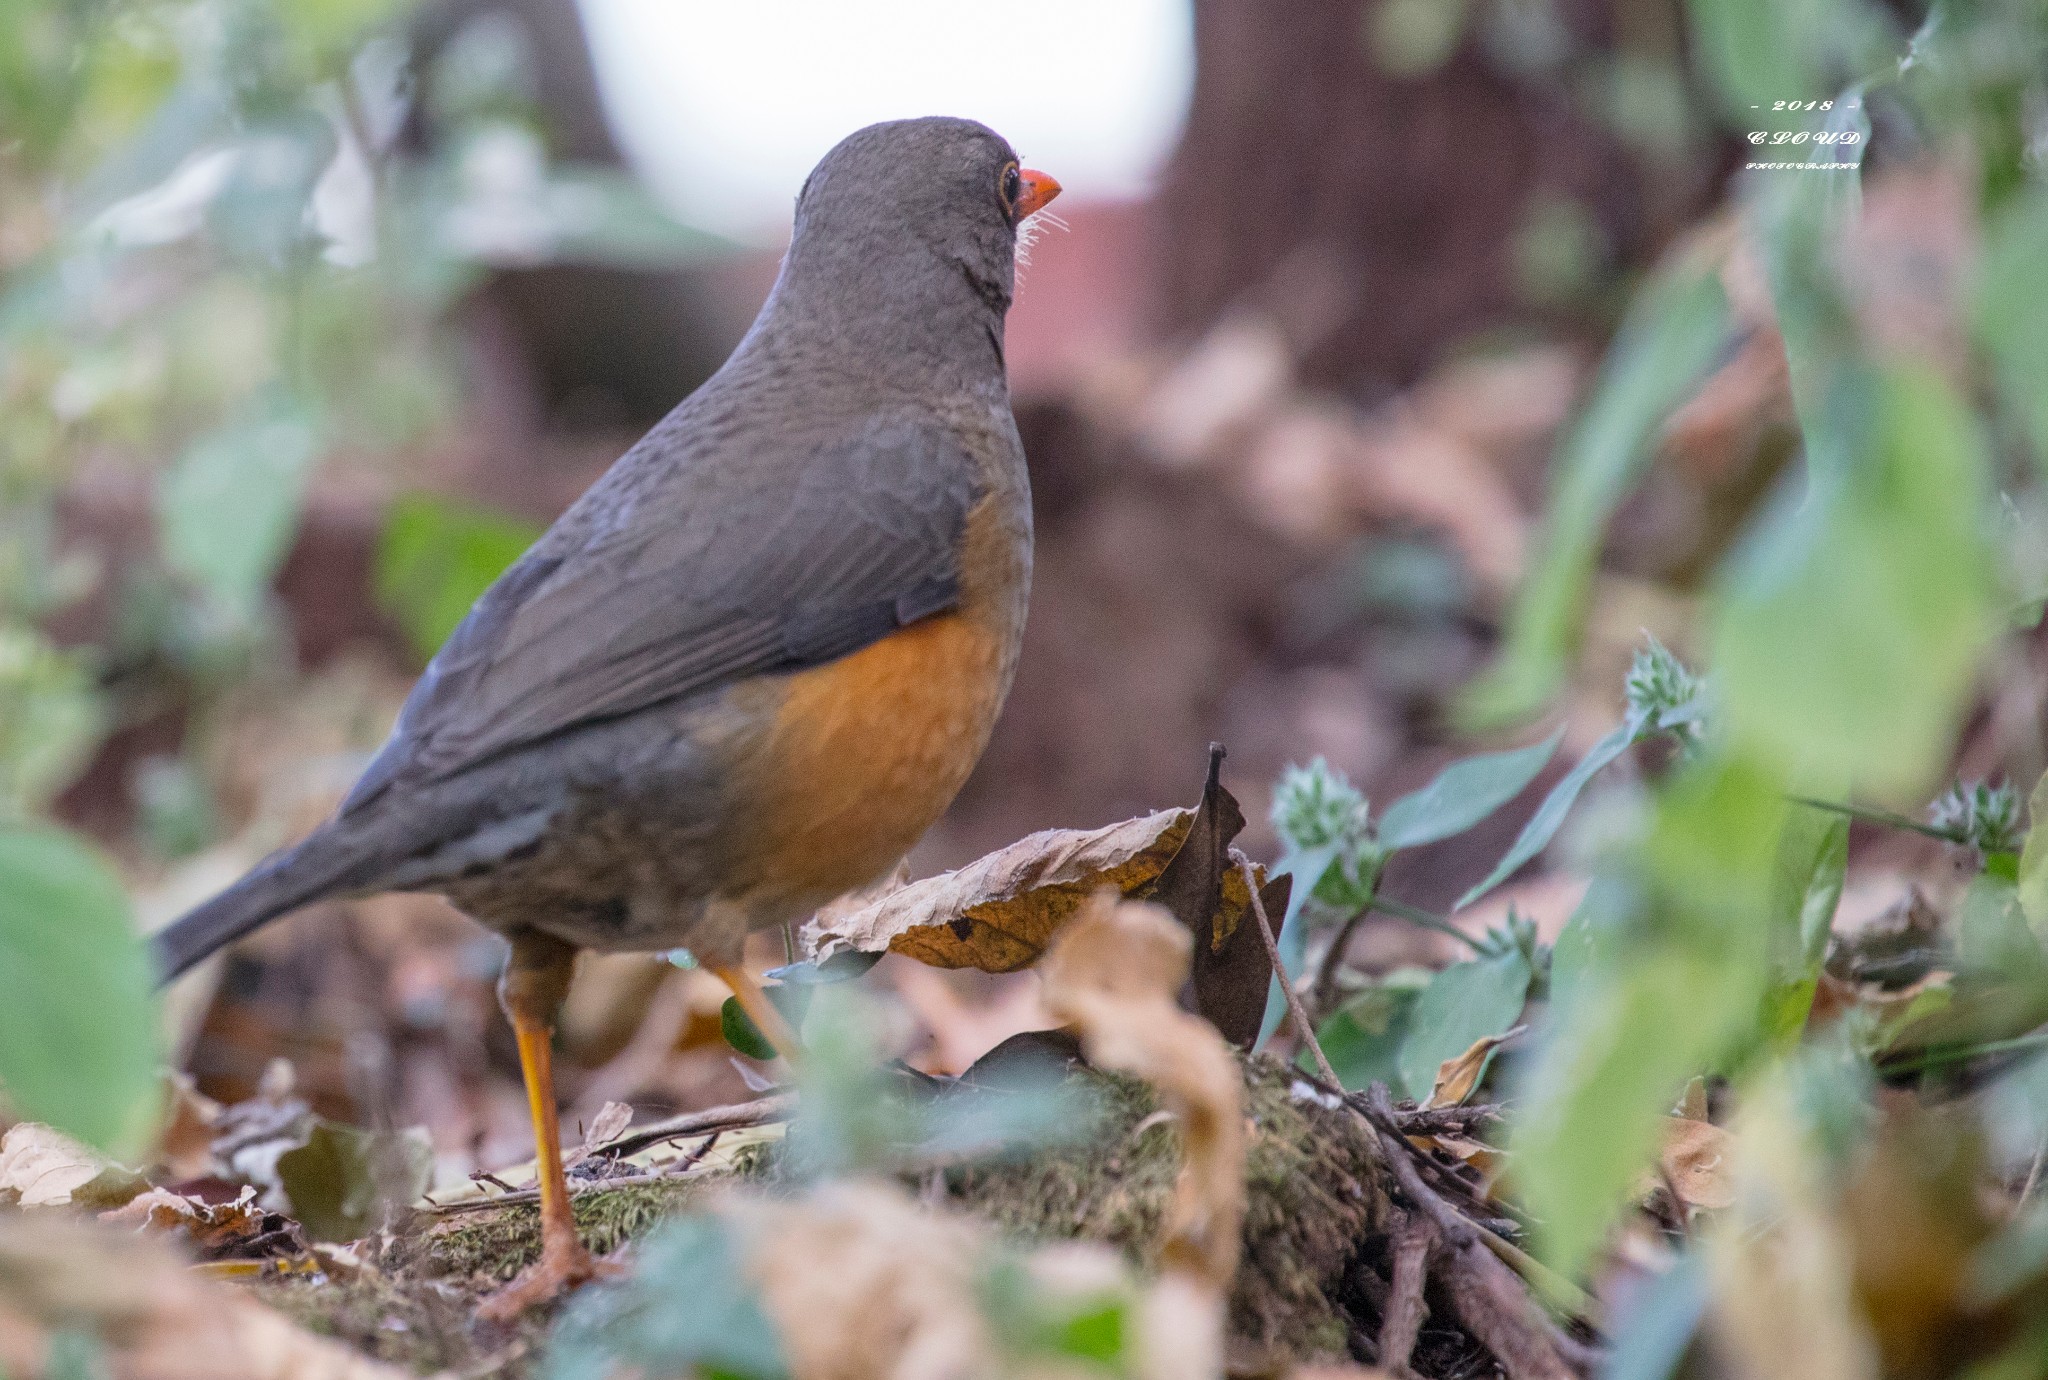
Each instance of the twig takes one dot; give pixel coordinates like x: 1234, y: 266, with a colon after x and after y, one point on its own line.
x: 1436, y: 1121
x: 738, y: 1116
x: 577, y: 1188
x: 1302, y: 1029
x: 1377, y: 1107
x: 1414, y: 1244
x: 1324, y: 989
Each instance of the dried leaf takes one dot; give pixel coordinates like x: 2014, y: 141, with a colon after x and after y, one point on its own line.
x: 216, y: 1230
x: 341, y: 1181
x: 1114, y: 973
x: 1456, y: 1078
x: 1000, y: 912
x: 158, y: 1320
x: 1697, y: 1159
x: 608, y: 1125
x: 1231, y: 967
x: 42, y: 1167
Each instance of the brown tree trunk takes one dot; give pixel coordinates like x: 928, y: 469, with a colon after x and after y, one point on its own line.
x: 1376, y: 215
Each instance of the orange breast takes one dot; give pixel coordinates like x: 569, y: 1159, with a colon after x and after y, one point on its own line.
x: 864, y: 753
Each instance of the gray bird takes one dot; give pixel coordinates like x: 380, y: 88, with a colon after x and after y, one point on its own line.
x: 747, y: 669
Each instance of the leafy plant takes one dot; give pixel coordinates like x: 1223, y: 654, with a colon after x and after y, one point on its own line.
x: 78, y: 1041
x: 1330, y: 841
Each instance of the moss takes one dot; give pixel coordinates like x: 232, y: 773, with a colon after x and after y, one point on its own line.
x: 1312, y: 1200
x: 497, y: 1244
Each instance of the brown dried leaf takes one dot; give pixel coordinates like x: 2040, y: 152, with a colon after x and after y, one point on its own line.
x: 1698, y: 1159
x: 1114, y: 973
x: 608, y: 1125
x: 999, y: 913
x: 1232, y: 972
x: 42, y: 1167
x: 1456, y: 1078
x: 157, y: 1320
x: 214, y: 1229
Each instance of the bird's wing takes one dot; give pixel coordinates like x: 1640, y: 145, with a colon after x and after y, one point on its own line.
x: 670, y: 591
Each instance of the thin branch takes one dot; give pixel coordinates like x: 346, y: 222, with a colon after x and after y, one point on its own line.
x: 1323, y: 991
x: 1377, y: 1109
x: 1415, y: 1243
x: 1302, y: 1029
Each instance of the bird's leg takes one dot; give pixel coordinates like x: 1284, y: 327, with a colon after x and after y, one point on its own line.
x: 536, y: 980
x: 766, y: 1016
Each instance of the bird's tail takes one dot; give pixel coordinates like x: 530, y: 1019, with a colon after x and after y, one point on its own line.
x: 287, y: 879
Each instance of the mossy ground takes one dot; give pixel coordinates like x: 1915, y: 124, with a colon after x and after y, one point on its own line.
x: 1313, y: 1202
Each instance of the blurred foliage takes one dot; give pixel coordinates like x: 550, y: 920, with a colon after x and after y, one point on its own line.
x: 1844, y: 632
x: 219, y: 272
x: 78, y: 1043
x: 437, y: 556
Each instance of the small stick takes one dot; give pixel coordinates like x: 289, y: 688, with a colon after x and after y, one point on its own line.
x: 737, y: 1116
x: 1324, y: 988
x: 1414, y: 1242
x: 1302, y: 1029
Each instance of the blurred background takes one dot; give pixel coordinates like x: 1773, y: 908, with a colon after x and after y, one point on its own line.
x: 313, y: 314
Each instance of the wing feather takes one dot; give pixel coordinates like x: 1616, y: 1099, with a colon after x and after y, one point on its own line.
x: 652, y: 589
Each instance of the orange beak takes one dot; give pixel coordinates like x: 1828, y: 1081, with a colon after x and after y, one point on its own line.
x: 1038, y: 190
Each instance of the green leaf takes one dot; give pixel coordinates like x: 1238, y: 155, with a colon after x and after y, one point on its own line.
x: 229, y: 505
x: 1550, y: 815
x: 792, y: 999
x: 2011, y: 312
x: 689, y: 1307
x: 1992, y: 933
x: 78, y: 1033
x: 1677, y: 975
x: 1813, y: 863
x: 1851, y: 625
x: 1465, y: 1003
x: 1758, y: 51
x: 1598, y: 1088
x: 1306, y: 868
x: 1675, y: 332
x: 1584, y: 944
x: 1462, y: 794
x: 2032, y: 882
x: 437, y: 557
x: 1362, y: 1039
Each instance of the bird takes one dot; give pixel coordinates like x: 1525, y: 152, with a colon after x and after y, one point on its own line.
x: 747, y: 669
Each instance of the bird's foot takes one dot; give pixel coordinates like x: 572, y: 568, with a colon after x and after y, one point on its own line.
x: 556, y: 1273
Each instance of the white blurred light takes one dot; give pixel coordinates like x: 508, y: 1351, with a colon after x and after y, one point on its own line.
x: 724, y: 105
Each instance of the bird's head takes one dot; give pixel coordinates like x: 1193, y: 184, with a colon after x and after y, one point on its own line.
x: 908, y: 208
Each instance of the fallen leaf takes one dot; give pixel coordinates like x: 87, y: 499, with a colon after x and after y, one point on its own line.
x: 1000, y: 912
x: 341, y: 1181
x: 1456, y: 1078
x: 1114, y: 973
x: 1231, y: 967
x: 156, y: 1319
x: 1698, y: 1159
x: 608, y: 1125
x: 43, y: 1167
x: 239, y: 1229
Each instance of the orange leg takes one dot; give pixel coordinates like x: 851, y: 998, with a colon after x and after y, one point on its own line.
x: 763, y: 1012
x: 531, y: 991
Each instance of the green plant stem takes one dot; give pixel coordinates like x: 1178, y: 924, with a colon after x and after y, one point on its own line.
x: 1956, y: 1054
x: 1874, y: 816
x: 1414, y: 915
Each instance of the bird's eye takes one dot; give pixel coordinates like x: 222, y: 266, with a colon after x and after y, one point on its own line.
x: 1012, y: 185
